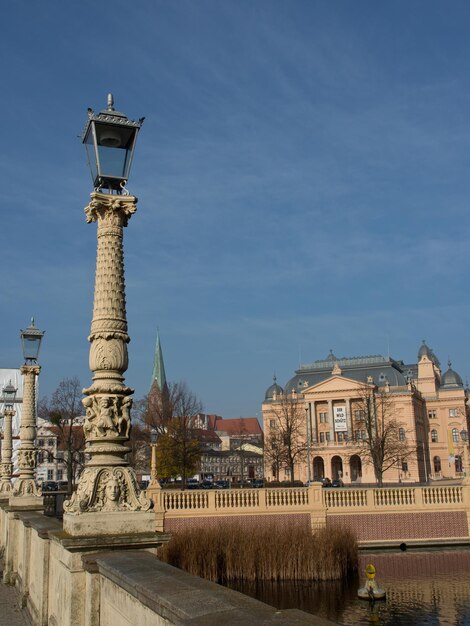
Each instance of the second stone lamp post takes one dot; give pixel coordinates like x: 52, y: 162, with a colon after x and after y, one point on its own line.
x: 26, y: 494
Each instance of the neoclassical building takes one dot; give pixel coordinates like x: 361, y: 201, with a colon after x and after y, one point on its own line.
x: 429, y: 405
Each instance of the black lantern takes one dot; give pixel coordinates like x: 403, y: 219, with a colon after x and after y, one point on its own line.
x: 9, y: 395
x: 31, y: 339
x: 109, y: 139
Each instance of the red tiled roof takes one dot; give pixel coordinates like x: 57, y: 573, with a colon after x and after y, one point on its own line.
x: 239, y: 426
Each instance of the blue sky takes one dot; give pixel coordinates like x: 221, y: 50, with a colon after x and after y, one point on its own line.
x: 302, y: 177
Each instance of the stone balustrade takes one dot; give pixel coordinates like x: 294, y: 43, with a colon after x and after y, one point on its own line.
x: 437, y: 512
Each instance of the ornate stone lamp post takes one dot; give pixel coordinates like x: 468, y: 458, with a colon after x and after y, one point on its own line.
x: 8, y: 400
x: 25, y: 491
x: 154, y: 482
x: 107, y: 500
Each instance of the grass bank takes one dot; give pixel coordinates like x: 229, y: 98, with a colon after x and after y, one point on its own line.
x: 232, y: 551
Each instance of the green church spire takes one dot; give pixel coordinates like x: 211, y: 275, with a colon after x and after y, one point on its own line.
x: 158, y: 374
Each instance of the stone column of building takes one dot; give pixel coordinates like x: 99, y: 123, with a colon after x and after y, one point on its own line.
x: 349, y: 418
x: 108, y: 500
x: 6, y: 470
x: 25, y: 493
x: 313, y: 422
x: 331, y: 419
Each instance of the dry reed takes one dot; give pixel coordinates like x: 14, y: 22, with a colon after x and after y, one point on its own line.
x: 234, y: 551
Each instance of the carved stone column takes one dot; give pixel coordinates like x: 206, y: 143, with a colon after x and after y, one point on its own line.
x: 6, y: 465
x: 154, y: 482
x: 108, y: 500
x: 26, y: 494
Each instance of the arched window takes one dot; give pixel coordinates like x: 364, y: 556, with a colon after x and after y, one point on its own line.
x: 401, y: 434
x: 434, y: 437
x: 437, y: 464
x: 455, y: 435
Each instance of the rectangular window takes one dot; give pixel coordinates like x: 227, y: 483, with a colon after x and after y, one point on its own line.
x: 340, y: 436
x: 50, y: 474
x: 50, y: 443
x: 272, y: 423
x: 358, y: 435
x: 404, y: 466
x: 323, y: 418
x: 41, y: 443
x: 359, y: 415
x: 322, y: 437
x: 40, y: 457
x: 432, y: 414
x: 453, y: 412
x: 328, y: 436
x: 364, y: 434
x: 60, y: 474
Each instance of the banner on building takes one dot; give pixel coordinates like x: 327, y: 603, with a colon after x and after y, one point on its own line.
x: 340, y: 419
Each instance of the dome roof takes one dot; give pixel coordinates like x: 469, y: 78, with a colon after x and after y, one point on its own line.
x: 451, y: 378
x: 274, y: 390
x: 425, y: 350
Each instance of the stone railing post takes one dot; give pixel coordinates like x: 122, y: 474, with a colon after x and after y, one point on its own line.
x: 317, y: 508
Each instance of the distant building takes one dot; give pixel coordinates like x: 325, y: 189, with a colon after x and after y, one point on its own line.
x: 431, y: 405
x: 232, y: 449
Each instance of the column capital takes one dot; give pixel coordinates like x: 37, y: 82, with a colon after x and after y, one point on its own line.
x: 112, y: 209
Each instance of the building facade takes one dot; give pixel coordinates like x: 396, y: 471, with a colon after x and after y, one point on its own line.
x: 428, y: 407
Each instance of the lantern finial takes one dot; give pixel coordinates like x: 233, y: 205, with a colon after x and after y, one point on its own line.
x: 110, y: 102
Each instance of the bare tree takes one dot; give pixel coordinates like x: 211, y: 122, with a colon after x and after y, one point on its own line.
x: 63, y: 411
x: 287, y: 440
x: 172, y: 412
x: 385, y: 441
x: 273, y: 453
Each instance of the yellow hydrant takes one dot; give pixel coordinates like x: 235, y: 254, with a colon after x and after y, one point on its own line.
x: 371, y: 591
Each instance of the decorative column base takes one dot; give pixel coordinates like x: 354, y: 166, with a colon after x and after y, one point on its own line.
x: 6, y: 488
x: 25, y: 495
x: 108, y: 502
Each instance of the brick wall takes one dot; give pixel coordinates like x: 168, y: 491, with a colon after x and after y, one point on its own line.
x: 286, y: 521
x: 402, y: 526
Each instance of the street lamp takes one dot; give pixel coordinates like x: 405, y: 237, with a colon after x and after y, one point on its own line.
x: 31, y: 342
x: 307, y: 428
x: 25, y: 491
x: 107, y: 483
x: 8, y: 400
x: 109, y: 139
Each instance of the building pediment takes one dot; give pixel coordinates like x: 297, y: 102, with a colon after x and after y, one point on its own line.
x: 333, y: 384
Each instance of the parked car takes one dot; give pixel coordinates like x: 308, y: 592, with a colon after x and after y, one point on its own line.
x: 326, y: 482
x: 208, y: 484
x: 257, y: 483
x: 222, y: 484
x: 337, y: 483
x: 49, y: 485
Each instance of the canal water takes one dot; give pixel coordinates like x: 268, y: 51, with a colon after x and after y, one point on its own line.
x: 423, y: 588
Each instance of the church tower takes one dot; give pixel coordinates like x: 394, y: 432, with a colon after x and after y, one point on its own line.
x: 158, y: 373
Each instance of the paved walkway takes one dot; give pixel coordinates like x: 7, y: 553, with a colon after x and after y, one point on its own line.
x: 11, y: 613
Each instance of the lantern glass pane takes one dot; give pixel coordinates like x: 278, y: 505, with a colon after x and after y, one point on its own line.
x: 91, y: 156
x: 113, y: 162
x: 31, y: 348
